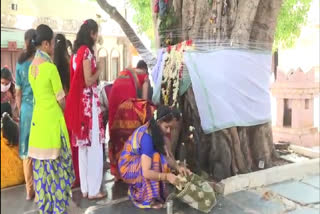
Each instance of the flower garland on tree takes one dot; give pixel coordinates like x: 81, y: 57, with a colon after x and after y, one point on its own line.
x: 172, y: 73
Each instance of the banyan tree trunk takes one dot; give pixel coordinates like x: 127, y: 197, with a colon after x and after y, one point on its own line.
x: 237, y: 149
x: 227, y: 152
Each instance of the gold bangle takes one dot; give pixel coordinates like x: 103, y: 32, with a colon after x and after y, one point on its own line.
x: 159, y: 176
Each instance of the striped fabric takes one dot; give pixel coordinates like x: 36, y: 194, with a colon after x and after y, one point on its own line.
x: 142, y: 192
x: 130, y: 115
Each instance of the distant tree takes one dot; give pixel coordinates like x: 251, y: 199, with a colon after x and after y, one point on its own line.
x: 143, y: 17
x: 292, y: 17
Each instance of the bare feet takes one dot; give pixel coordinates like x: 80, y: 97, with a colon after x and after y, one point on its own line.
x: 100, y: 195
x: 117, y: 179
x: 75, y: 185
x: 85, y: 195
x: 30, y: 197
x: 156, y: 205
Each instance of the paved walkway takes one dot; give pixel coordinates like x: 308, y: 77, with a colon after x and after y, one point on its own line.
x: 292, y: 197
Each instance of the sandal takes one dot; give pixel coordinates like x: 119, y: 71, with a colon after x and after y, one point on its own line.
x: 98, y: 196
x: 85, y: 195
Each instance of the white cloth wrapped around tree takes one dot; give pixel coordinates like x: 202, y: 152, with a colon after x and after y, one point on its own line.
x: 157, y: 74
x: 231, y: 87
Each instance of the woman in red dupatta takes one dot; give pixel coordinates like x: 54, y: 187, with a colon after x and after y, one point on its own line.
x: 131, y: 83
x: 83, y: 113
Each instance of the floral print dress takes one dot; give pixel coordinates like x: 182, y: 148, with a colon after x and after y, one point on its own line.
x: 88, y: 95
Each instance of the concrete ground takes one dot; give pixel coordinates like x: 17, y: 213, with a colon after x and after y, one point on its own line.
x: 292, y: 197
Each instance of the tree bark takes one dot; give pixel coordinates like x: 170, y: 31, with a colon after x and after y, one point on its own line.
x: 241, y: 22
x: 238, y: 149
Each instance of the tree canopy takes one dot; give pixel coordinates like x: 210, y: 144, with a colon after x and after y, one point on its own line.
x: 143, y: 17
x: 293, y: 15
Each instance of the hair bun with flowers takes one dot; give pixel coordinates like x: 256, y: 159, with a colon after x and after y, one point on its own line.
x: 85, y: 22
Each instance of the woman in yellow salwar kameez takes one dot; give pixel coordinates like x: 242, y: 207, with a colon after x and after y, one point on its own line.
x: 49, y: 145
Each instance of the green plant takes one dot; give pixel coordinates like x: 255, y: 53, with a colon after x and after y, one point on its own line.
x: 293, y: 15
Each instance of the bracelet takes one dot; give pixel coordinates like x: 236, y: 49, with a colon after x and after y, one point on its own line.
x: 159, y: 176
x: 166, y: 176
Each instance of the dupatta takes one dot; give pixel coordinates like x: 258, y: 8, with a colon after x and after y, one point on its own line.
x: 74, y: 111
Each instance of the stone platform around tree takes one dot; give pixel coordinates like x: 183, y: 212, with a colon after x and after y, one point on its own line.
x: 268, y: 176
x: 298, y: 192
x: 258, y: 201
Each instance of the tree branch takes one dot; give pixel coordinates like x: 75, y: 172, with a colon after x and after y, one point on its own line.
x: 146, y: 55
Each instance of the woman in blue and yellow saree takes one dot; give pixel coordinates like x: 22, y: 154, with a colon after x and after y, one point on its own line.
x: 144, y: 165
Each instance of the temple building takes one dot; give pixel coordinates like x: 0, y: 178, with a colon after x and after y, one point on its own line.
x: 295, y: 94
x: 296, y: 88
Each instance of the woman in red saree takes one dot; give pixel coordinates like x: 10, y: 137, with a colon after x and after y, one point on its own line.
x: 131, y: 83
x: 131, y: 114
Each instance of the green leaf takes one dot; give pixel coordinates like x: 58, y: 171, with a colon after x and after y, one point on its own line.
x: 143, y: 17
x: 293, y: 15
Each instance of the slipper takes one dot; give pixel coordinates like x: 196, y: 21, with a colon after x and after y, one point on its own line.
x: 98, y: 196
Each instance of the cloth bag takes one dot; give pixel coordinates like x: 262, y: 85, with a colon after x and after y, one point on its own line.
x: 197, y: 193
